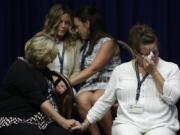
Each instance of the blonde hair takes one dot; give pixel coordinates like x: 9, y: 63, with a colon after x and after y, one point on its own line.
x: 40, y: 50
x: 53, y: 20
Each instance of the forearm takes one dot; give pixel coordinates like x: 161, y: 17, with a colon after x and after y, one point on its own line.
x: 103, y: 56
x: 48, y: 109
x: 82, y: 76
x: 74, y: 75
x: 85, y: 124
x: 159, y: 80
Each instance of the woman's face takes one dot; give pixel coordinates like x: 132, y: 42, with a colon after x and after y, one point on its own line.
x: 145, y: 51
x: 64, y: 25
x: 82, y: 28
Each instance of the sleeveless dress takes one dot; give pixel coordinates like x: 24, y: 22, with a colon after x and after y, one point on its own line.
x: 100, y: 79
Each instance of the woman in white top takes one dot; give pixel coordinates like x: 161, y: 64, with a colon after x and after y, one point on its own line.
x: 146, y: 89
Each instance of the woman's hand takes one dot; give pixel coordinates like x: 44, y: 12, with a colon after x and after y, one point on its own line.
x: 70, y: 123
x: 81, y: 127
x: 151, y: 68
x: 149, y: 65
x: 48, y: 109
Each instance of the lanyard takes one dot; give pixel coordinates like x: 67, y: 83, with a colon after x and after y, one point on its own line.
x: 84, y: 54
x: 139, y: 82
x: 61, y: 60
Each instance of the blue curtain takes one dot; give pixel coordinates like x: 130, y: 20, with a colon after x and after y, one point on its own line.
x: 21, y: 19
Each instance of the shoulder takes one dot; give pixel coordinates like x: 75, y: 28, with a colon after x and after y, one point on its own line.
x: 78, y: 44
x: 19, y: 65
x: 126, y: 66
x: 167, y: 65
x: 104, y: 40
x: 73, y: 44
x: 18, y: 70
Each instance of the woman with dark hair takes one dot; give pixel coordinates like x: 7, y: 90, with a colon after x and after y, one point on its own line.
x: 146, y: 88
x: 99, y: 56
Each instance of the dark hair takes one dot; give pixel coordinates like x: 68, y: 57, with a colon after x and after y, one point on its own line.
x: 97, y: 29
x: 141, y: 34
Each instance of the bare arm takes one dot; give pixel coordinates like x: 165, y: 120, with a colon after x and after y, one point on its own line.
x: 83, y: 126
x: 168, y: 87
x: 104, y: 55
x: 151, y: 68
x: 159, y: 80
x: 102, y: 105
x: 48, y: 109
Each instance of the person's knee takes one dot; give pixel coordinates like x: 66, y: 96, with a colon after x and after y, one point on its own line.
x: 83, y: 101
x: 97, y: 95
x: 94, y: 99
x: 125, y: 129
x: 161, y: 131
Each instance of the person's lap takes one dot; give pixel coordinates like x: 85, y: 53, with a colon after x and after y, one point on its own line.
x: 28, y: 129
x: 21, y: 129
x: 125, y: 129
x: 89, y: 96
x: 55, y: 129
x: 160, y: 131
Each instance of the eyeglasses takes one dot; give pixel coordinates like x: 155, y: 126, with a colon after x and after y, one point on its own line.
x: 155, y: 52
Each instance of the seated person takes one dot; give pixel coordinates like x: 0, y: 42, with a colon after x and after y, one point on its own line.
x: 99, y: 55
x: 27, y: 105
x: 146, y: 88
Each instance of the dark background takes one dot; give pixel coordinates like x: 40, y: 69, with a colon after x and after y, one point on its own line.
x: 21, y: 19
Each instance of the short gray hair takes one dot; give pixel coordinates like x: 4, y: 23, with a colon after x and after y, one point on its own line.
x: 41, y: 50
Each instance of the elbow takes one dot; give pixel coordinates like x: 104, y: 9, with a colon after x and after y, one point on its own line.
x: 171, y: 100
x: 171, y: 93
x: 43, y: 105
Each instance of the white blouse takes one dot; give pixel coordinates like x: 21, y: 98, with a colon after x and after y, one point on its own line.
x: 158, y: 110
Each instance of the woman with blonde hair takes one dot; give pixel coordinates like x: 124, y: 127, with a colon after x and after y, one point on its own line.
x: 27, y: 101
x: 58, y: 25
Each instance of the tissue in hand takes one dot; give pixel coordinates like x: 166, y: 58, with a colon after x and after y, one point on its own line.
x: 149, y: 57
